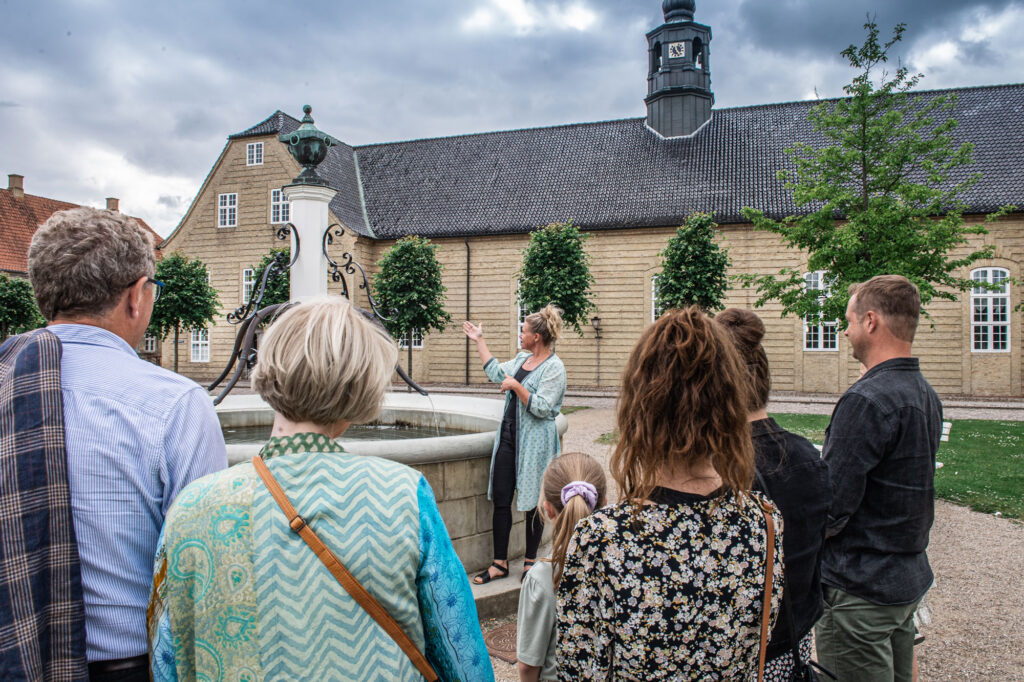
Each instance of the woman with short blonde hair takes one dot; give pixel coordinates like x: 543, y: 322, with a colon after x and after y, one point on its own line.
x: 238, y: 593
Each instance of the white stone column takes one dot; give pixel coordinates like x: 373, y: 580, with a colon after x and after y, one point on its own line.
x: 309, y: 216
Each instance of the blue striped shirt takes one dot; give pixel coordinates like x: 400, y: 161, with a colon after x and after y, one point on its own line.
x: 135, y: 434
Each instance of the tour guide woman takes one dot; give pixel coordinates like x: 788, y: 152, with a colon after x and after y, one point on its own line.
x: 527, y: 440
x: 239, y: 596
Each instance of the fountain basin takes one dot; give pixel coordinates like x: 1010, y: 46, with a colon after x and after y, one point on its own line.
x: 457, y: 467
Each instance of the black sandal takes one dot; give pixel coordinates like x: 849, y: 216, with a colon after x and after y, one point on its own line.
x: 527, y: 565
x: 486, y: 576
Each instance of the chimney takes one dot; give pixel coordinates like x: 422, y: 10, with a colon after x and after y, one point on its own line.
x: 112, y: 203
x: 16, y: 186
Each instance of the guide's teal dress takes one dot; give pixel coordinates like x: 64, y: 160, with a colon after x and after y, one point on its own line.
x: 537, y: 436
x: 239, y: 596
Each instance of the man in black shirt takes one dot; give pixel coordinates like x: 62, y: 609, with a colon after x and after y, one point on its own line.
x: 880, y: 447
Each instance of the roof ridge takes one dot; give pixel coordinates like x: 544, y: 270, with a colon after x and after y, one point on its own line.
x: 909, y: 92
x: 26, y: 195
x: 253, y: 130
x: 498, y: 132
x: 636, y: 118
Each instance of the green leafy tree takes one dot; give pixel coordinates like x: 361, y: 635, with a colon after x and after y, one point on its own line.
x: 887, y: 169
x: 278, y: 288
x: 408, y: 289
x: 187, y: 302
x: 18, y: 310
x: 693, y: 267
x: 556, y: 269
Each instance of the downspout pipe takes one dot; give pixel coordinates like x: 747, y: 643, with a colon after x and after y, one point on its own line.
x: 466, y: 242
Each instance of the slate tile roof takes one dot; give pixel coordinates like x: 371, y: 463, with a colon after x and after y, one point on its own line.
x: 20, y: 217
x: 615, y: 174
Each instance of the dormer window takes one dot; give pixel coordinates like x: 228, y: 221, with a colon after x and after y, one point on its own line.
x: 254, y: 154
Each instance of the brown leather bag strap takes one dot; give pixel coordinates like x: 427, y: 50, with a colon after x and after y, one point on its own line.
x: 769, y: 568
x: 338, y: 570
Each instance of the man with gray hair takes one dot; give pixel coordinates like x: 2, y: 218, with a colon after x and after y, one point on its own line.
x: 135, y: 434
x: 880, y: 447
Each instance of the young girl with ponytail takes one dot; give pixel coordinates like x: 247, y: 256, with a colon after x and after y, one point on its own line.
x: 573, y: 486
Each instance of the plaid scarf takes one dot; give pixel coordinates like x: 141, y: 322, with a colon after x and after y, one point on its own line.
x: 42, y: 617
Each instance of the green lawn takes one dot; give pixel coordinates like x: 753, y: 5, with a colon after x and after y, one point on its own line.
x: 574, y: 408
x: 982, y: 463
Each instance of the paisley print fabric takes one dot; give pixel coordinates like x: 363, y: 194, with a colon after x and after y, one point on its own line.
x: 537, y: 435
x: 238, y: 596
x: 674, y: 593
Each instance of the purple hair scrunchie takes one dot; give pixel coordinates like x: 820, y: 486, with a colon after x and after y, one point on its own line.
x: 585, y: 490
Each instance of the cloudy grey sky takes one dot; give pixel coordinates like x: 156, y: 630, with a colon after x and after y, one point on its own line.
x: 134, y: 99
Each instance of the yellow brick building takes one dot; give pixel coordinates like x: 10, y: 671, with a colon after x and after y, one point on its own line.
x: 629, y: 184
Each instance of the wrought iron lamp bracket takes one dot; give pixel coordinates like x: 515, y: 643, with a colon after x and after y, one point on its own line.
x: 348, y: 265
x: 276, y: 266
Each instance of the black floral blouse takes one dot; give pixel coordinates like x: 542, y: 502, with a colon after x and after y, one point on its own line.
x: 674, y: 594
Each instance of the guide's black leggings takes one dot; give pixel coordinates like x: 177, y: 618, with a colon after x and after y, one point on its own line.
x: 502, y: 489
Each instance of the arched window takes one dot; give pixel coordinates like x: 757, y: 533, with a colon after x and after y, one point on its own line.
x: 656, y: 58
x: 818, y: 334
x: 990, y: 310
x: 698, y: 53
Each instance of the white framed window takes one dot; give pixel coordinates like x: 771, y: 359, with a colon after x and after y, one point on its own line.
x: 818, y: 334
x: 227, y: 210
x: 248, y: 284
x: 417, y: 340
x: 280, y: 209
x: 522, y: 315
x: 655, y: 310
x: 990, y: 311
x: 254, y: 154
x: 200, y: 345
x: 149, y: 344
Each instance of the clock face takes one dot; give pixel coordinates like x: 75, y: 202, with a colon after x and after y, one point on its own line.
x: 676, y: 50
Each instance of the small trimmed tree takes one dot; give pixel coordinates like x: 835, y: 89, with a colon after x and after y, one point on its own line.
x: 187, y: 301
x: 886, y: 169
x: 278, y: 288
x: 693, y: 267
x: 18, y: 310
x: 409, y: 291
x: 556, y: 269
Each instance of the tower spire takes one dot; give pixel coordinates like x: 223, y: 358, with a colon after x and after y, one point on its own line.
x: 679, y: 97
x: 678, y: 10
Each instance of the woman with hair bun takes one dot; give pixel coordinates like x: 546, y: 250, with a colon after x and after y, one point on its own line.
x: 527, y: 440
x: 793, y: 474
x: 669, y: 583
x: 574, y: 486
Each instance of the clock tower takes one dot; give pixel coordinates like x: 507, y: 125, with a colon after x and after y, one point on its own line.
x: 679, y: 96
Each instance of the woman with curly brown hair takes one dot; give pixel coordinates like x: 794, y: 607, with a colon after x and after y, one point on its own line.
x: 669, y: 582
